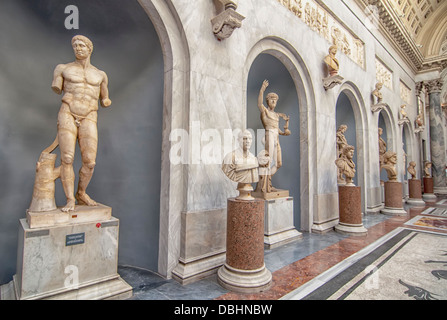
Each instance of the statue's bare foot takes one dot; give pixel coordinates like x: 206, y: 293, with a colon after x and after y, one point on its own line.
x: 70, y: 206
x: 84, y: 199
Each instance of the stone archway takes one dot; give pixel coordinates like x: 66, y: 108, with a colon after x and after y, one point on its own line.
x: 290, y: 58
x: 356, y: 102
x: 175, y: 111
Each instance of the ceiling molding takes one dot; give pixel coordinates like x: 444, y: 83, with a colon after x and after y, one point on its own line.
x: 395, y: 31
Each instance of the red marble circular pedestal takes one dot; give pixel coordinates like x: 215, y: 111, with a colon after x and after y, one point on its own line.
x: 415, y: 193
x: 393, y: 199
x: 429, y: 194
x: 428, y: 185
x: 244, y: 270
x: 415, y: 188
x: 350, y: 211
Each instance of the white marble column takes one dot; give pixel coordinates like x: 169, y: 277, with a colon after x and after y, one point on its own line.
x: 437, y: 143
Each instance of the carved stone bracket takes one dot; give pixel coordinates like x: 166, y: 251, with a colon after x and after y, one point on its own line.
x: 378, y: 107
x: 226, y: 21
x: 332, y: 81
x: 402, y: 121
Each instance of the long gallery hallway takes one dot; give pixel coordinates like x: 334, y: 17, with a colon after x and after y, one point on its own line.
x: 402, y: 257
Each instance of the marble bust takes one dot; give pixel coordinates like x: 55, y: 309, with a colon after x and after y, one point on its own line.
x: 346, y: 165
x: 331, y: 61
x: 376, y: 93
x: 241, y: 166
x: 389, y: 164
x: 412, y: 169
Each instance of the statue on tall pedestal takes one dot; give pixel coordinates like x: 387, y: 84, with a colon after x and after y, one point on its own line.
x: 341, y: 143
x: 382, y: 148
x: 270, y: 121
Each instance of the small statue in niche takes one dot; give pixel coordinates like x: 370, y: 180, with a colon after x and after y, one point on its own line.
x: 241, y: 166
x: 427, y: 169
x: 389, y: 164
x: 382, y: 148
x: 341, y: 143
x: 270, y: 121
x: 346, y: 165
x: 412, y: 169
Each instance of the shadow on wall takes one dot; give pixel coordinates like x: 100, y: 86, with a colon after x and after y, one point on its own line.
x: 127, y: 174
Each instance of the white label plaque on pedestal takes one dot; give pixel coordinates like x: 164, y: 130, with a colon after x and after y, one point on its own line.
x: 72, y: 261
x: 278, y: 221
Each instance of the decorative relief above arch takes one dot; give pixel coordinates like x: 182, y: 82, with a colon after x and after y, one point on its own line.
x: 321, y: 21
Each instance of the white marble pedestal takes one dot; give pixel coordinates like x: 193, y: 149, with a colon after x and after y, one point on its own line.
x: 278, y: 223
x: 68, y: 262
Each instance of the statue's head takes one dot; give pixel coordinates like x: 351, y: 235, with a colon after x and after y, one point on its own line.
x: 82, y: 46
x: 390, y: 157
x: 348, y: 151
x: 333, y: 49
x: 245, y: 139
x: 272, y: 99
x: 342, y: 128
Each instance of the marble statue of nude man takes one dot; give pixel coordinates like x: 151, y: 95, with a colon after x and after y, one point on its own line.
x: 82, y: 85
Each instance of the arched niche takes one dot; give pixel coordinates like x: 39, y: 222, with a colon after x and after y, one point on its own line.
x: 293, y: 62
x: 387, y: 123
x: 350, y: 110
x: 267, y: 66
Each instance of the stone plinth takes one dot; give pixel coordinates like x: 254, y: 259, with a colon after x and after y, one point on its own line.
x: 279, y: 228
x: 72, y: 262
x: 202, y: 245
x: 350, y: 210
x: 81, y: 214
x: 428, y: 190
x: 244, y: 270
x: 393, y: 199
x: 415, y: 192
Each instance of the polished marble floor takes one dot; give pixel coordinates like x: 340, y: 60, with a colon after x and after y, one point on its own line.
x: 292, y: 265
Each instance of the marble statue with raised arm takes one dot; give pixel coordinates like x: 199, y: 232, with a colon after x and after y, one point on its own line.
x: 270, y: 121
x: 82, y: 85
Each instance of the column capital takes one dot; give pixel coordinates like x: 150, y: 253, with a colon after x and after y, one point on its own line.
x: 419, y: 87
x: 434, y: 86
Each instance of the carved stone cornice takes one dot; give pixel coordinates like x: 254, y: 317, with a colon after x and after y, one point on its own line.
x: 434, y: 86
x: 391, y: 26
